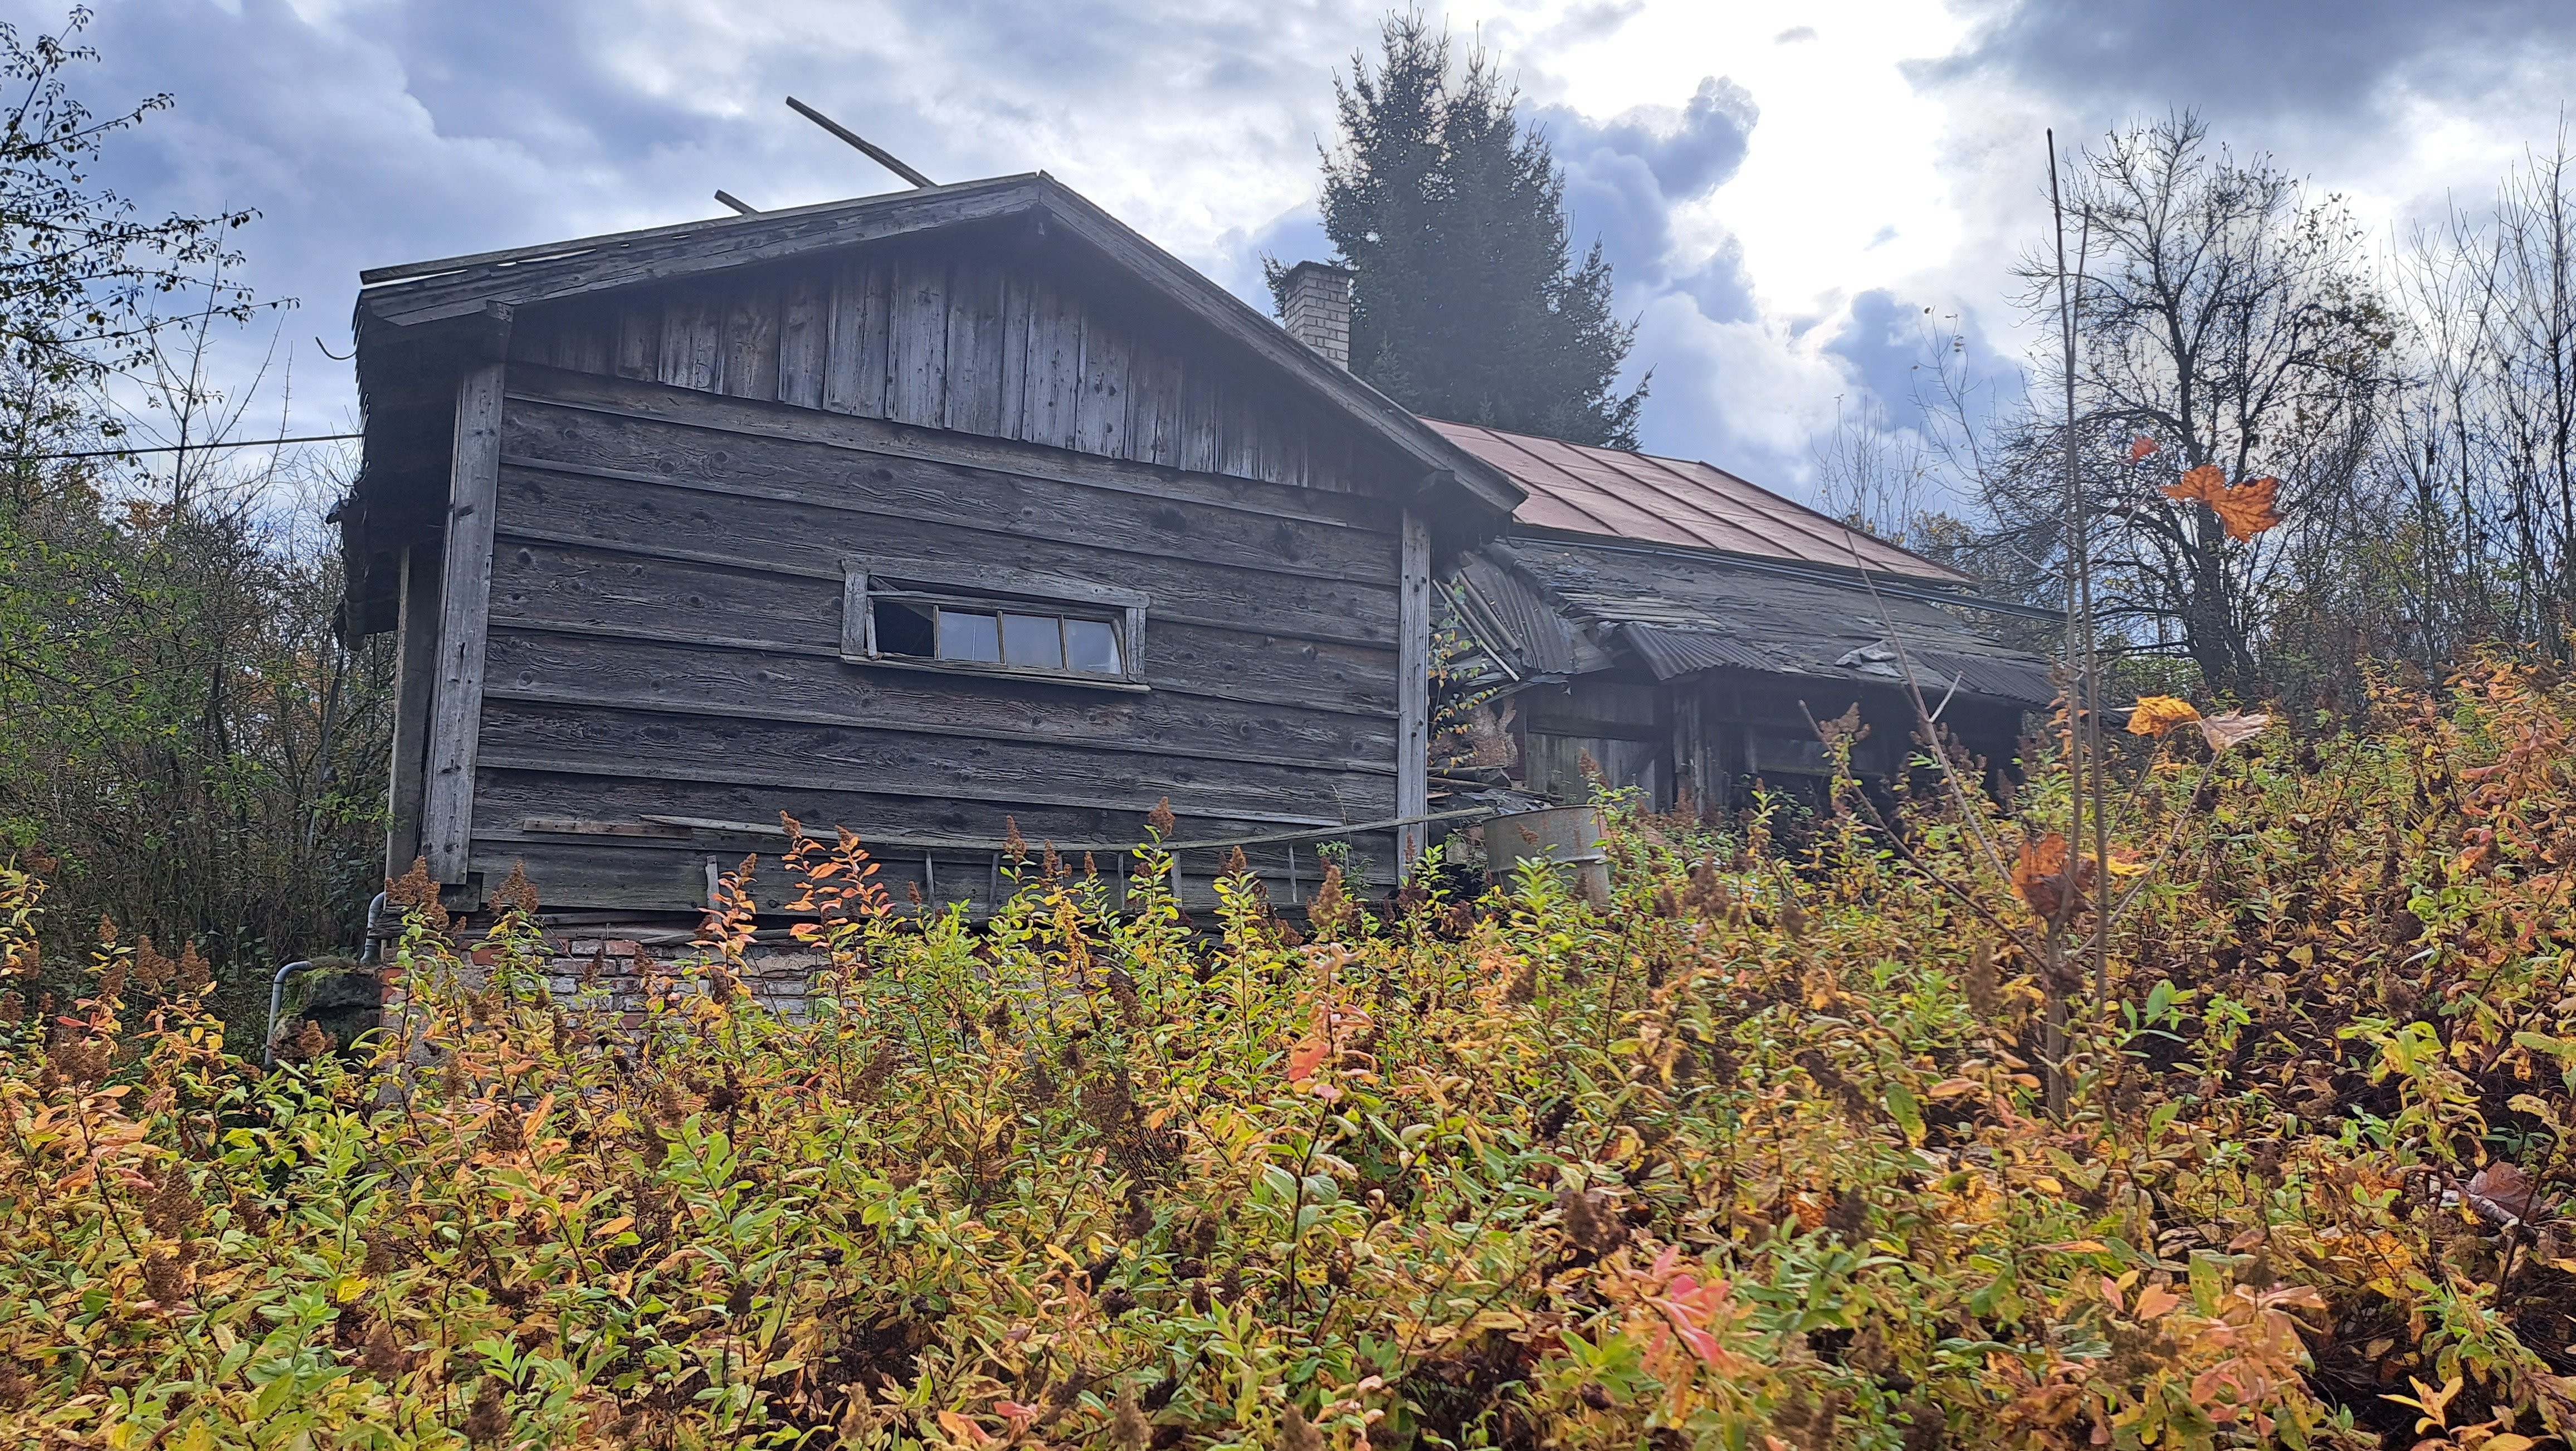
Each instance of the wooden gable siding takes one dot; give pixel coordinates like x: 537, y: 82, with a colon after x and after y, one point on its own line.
x: 665, y: 628
x: 969, y: 339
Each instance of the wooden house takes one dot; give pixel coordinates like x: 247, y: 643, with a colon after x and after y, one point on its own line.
x: 1686, y: 631
x: 912, y: 514
x: 934, y: 513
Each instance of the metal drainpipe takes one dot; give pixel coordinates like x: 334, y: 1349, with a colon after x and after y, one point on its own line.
x: 277, y: 999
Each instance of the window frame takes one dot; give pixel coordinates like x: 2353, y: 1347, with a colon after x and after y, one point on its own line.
x: 990, y: 591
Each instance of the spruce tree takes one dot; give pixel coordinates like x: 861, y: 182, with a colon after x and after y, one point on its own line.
x: 1467, y: 303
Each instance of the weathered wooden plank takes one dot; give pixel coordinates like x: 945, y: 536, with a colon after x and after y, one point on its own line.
x: 639, y: 339
x: 953, y: 494
x: 693, y: 340
x: 1235, y: 666
x: 633, y: 520
x: 1054, y: 387
x: 689, y: 249
x: 554, y: 736
x: 1153, y: 405
x: 577, y: 336
x: 750, y: 364
x: 577, y: 873
x: 974, y: 402
x: 1413, y: 689
x: 917, y: 324
x: 1608, y: 708
x: 876, y: 340
x: 447, y: 806
x: 850, y: 384
x: 804, y: 336
x: 838, y: 429
x: 1100, y: 414
x: 416, y: 669
x: 1013, y: 341
x: 510, y: 798
x: 1238, y: 438
x: 1200, y: 449
x: 701, y: 679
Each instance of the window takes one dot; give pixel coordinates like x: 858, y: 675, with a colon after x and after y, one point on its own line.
x: 999, y: 621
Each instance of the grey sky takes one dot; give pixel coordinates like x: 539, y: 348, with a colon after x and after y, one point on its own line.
x: 1783, y: 187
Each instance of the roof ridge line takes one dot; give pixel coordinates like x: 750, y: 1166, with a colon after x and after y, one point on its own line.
x: 574, y: 246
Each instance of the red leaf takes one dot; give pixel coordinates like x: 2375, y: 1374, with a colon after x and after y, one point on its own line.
x: 2141, y: 446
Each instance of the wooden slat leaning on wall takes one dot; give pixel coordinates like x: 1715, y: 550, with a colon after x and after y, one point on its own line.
x: 456, y: 715
x: 415, y: 685
x: 1413, y: 689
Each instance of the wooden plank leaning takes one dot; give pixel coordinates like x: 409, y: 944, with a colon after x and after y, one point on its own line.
x: 456, y: 715
x: 1413, y: 690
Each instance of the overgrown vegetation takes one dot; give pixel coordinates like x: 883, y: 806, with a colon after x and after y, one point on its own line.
x: 1761, y: 1158
x: 181, y: 729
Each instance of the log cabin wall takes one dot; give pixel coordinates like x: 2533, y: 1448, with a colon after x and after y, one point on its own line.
x: 685, y: 470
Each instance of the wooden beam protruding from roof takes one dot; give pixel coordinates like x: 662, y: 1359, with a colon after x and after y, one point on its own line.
x: 875, y: 153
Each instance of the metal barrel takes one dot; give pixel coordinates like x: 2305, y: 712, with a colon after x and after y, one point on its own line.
x: 1566, y: 836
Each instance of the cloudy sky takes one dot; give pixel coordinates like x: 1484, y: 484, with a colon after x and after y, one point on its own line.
x: 1791, y: 190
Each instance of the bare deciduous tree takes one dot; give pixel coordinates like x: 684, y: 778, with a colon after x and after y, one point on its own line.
x: 2229, y: 319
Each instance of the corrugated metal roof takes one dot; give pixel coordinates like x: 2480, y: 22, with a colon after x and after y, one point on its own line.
x: 1684, y: 611
x: 1511, y: 619
x: 1655, y: 500
x: 1671, y: 650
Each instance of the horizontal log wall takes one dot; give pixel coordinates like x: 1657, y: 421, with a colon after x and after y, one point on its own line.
x: 971, y: 339
x: 666, y: 626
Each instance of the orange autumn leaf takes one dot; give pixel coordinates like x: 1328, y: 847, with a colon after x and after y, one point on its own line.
x: 2154, y: 715
x: 2141, y: 446
x: 2039, y: 878
x: 1305, y: 1058
x: 2246, y: 509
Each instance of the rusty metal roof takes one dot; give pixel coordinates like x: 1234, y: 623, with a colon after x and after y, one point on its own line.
x: 1653, y: 500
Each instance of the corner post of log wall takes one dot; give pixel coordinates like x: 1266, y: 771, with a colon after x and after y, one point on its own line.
x: 415, y: 680
x: 1413, y: 691
x: 456, y: 712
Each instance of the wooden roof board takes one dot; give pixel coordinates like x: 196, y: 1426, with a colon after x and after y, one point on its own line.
x: 1657, y: 500
x: 455, y: 287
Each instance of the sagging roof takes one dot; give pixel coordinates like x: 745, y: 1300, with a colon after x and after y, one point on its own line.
x: 455, y: 289
x: 1683, y: 611
x: 1606, y: 491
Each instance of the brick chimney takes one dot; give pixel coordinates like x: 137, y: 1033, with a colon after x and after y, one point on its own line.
x: 1317, y: 310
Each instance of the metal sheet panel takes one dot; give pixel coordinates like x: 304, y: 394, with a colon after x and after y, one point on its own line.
x: 1684, y: 502
x: 1672, y: 651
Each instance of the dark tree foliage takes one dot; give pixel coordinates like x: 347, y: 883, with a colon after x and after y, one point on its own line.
x: 1468, y: 303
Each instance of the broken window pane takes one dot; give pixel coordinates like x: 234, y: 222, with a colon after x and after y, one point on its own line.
x: 905, y: 629
x: 1036, y: 641
x: 964, y: 636
x: 1092, y: 646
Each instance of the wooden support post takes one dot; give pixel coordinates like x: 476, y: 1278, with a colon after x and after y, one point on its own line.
x: 456, y: 715
x: 415, y: 682
x: 1413, y: 691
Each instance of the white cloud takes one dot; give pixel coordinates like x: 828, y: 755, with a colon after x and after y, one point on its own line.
x: 1895, y: 160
